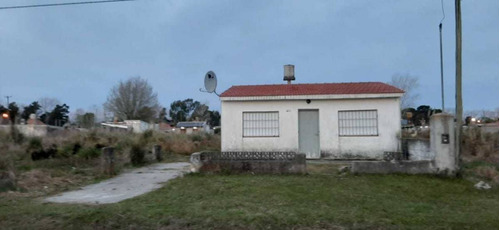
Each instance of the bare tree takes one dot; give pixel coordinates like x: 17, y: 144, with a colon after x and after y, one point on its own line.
x: 409, y: 84
x: 133, y: 99
x: 98, y: 112
x: 48, y: 103
x: 74, y: 115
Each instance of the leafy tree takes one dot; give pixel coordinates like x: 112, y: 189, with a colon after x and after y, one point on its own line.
x: 190, y: 110
x: 419, y: 116
x: 58, y: 116
x: 182, y: 110
x: 409, y: 84
x: 162, y: 116
x: 13, y: 112
x: 214, y: 119
x: 200, y: 113
x: 33, y: 108
x: 408, y: 113
x: 133, y: 99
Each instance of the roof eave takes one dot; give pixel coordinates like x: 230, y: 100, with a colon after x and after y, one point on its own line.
x: 315, y: 97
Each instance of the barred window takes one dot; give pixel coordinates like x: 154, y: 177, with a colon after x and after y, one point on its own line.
x: 260, y: 124
x: 358, y: 123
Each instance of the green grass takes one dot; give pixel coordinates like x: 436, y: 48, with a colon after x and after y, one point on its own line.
x: 276, y: 202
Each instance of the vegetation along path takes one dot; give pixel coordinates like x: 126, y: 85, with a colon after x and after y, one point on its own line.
x: 124, y: 186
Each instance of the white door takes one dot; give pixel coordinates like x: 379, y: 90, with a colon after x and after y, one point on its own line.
x: 309, y: 133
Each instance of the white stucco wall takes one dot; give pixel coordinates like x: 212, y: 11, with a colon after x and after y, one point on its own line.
x: 331, y: 144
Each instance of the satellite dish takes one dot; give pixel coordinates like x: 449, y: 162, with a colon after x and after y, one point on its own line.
x: 210, y: 81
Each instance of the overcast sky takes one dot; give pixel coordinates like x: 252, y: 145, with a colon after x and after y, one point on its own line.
x: 78, y: 53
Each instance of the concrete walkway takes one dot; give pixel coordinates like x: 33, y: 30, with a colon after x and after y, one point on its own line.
x: 124, y: 186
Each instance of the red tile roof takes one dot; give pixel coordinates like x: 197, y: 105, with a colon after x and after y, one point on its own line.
x: 310, y: 89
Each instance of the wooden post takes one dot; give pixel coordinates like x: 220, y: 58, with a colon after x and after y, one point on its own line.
x: 458, y: 79
x: 157, y: 152
x: 108, y: 160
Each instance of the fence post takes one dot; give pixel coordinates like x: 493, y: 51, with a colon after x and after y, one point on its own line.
x: 157, y: 152
x: 443, y: 143
x: 108, y: 157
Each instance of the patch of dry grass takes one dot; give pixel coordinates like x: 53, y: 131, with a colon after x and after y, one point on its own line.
x: 477, y: 145
x: 77, y: 159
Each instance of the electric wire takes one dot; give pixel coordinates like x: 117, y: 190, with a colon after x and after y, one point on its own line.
x: 442, y: 9
x: 61, y: 4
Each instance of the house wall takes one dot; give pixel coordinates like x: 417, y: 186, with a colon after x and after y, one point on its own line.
x: 331, y: 144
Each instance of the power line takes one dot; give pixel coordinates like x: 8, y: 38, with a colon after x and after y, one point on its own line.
x: 442, y: 9
x: 61, y: 4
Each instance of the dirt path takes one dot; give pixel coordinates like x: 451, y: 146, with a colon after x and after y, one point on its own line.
x: 124, y: 186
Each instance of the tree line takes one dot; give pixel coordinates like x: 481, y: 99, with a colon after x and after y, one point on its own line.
x: 58, y: 116
x: 133, y: 99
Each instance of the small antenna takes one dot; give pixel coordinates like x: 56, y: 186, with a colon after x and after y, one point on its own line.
x: 210, y: 83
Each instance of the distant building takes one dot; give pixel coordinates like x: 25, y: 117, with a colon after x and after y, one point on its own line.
x: 165, y: 127
x: 189, y: 127
x: 136, y: 126
x: 116, y: 127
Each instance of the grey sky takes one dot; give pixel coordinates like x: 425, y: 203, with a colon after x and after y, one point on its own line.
x: 77, y: 53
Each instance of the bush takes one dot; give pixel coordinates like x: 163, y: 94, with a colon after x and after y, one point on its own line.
x: 188, y: 144
x: 89, y: 153
x: 196, y: 137
x: 34, y: 143
x: 16, y: 136
x: 148, y: 134
x: 137, y: 154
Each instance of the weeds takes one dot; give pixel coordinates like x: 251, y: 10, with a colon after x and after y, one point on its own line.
x: 89, y: 153
x: 137, y: 154
x: 70, y: 158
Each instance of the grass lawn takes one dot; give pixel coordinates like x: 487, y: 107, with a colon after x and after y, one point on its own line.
x: 316, y: 201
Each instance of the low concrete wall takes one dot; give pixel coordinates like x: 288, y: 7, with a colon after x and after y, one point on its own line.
x: 28, y: 130
x: 419, y: 150
x: 384, y: 167
x: 253, y: 162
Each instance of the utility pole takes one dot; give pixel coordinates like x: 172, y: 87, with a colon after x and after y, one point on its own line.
x: 8, y: 97
x: 458, y: 80
x: 441, y: 52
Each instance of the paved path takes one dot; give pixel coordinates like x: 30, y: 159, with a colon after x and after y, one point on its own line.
x: 124, y: 186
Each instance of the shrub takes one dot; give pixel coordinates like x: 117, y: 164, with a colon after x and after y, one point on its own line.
x: 34, y: 143
x: 148, y: 134
x: 196, y: 137
x: 89, y: 153
x: 68, y: 149
x: 137, y: 154
x: 65, y: 151
x: 41, y: 154
x: 16, y: 136
x: 123, y: 142
x: 92, y: 136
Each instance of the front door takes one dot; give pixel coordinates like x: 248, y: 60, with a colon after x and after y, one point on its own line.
x: 309, y: 133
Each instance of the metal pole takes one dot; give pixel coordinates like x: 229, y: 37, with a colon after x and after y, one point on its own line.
x: 441, y: 52
x: 458, y: 59
x: 8, y: 100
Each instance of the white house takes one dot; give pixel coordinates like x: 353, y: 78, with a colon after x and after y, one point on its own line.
x: 327, y: 120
